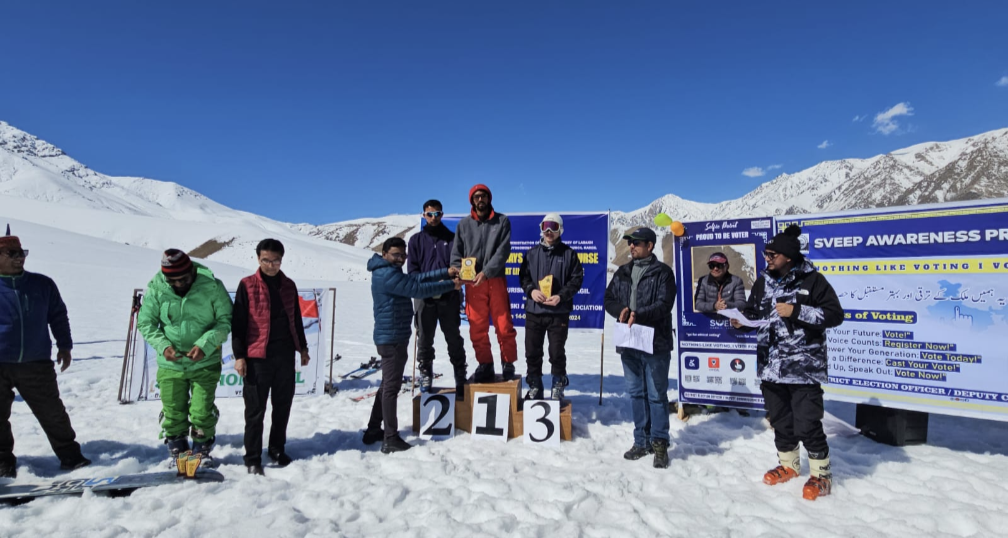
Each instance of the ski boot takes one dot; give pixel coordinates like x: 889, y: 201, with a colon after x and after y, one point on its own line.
x: 426, y: 369
x: 507, y: 371
x: 535, y: 391
x: 559, y: 382
x: 484, y: 373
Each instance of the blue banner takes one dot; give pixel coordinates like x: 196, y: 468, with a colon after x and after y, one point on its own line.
x: 717, y: 364
x: 924, y: 295
x: 588, y: 235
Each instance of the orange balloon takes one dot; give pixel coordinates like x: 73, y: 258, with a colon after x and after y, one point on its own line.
x: 677, y: 228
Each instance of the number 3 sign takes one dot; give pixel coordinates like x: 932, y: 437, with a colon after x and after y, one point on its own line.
x: 542, y: 422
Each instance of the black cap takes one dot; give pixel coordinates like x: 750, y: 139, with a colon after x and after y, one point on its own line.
x: 642, y: 234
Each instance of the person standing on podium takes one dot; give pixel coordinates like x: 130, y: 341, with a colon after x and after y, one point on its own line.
x: 551, y: 275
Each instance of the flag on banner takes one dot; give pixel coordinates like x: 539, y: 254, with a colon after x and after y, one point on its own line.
x: 309, y: 307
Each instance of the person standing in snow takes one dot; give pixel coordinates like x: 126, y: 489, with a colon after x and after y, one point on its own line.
x: 643, y: 292
x: 486, y: 236
x: 30, y: 305
x: 556, y: 262
x: 391, y: 293
x: 186, y: 317
x: 266, y: 330
x: 791, y: 357
x: 429, y: 250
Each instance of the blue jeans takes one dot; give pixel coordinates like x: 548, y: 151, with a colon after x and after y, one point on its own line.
x: 647, y: 383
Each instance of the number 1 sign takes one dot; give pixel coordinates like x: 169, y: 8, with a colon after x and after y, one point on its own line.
x: 491, y: 415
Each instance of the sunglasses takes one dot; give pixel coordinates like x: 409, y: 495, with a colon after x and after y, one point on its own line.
x: 434, y: 214
x: 770, y: 255
x: 635, y: 242
x: 715, y: 265
x: 16, y: 253
x: 549, y: 226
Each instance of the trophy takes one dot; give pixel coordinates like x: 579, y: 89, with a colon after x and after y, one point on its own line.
x: 188, y: 463
x: 468, y: 271
x: 546, y: 286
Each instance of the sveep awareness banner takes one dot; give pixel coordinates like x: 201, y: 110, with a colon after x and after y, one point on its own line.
x: 717, y: 364
x: 924, y: 292
x: 587, y: 234
x: 316, y: 313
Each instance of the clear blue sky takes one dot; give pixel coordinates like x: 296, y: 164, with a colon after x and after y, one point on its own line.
x: 325, y: 111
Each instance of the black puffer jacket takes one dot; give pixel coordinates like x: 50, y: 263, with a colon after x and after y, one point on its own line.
x: 656, y: 294
x: 560, y: 261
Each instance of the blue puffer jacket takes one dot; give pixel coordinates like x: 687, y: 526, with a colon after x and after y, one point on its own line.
x: 391, y: 291
x: 30, y: 304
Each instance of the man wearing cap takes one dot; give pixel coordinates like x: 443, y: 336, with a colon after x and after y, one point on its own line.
x: 266, y: 331
x: 551, y: 275
x: 642, y: 292
x: 720, y: 289
x: 791, y: 357
x: 486, y: 236
x: 30, y: 305
x: 186, y: 317
x: 430, y: 250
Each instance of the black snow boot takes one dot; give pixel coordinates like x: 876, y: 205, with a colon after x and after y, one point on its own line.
x: 484, y: 373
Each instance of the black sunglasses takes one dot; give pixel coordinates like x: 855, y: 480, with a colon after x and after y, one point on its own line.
x: 635, y: 242
x: 16, y: 253
x: 715, y: 265
x: 770, y: 255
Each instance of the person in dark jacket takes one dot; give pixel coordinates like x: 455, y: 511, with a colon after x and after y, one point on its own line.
x: 30, y: 305
x: 429, y: 250
x: 391, y: 291
x: 720, y: 289
x: 548, y: 304
x: 266, y: 330
x: 643, y: 292
x: 486, y: 236
x: 791, y: 357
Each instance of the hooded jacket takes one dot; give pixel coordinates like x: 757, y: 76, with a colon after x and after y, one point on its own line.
x: 30, y: 304
x: 391, y: 291
x: 201, y: 318
x: 560, y: 261
x: 793, y: 349
x: 489, y: 240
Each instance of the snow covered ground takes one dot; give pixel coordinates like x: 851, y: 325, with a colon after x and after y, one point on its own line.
x: 953, y: 486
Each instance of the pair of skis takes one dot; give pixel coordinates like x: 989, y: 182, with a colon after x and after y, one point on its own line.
x: 366, y: 369
x: 407, y: 387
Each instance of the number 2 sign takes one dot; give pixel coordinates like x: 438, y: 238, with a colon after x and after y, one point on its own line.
x: 437, y: 416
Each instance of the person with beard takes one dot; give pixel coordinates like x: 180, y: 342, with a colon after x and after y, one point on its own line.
x: 186, y: 318
x: 549, y: 314
x: 266, y: 330
x: 391, y: 291
x: 720, y: 289
x: 31, y: 305
x: 643, y: 291
x: 486, y: 235
x: 791, y: 357
x: 430, y: 249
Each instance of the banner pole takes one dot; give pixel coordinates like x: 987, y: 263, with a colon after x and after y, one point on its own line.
x: 601, y: 367
x: 332, y: 339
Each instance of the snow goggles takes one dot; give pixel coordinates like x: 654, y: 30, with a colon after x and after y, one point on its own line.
x: 434, y: 214
x: 548, y: 225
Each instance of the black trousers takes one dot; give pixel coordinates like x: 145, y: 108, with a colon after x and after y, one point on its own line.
x: 796, y: 413
x: 393, y: 363
x: 36, y: 382
x: 537, y: 328
x: 269, y: 379
x: 446, y: 312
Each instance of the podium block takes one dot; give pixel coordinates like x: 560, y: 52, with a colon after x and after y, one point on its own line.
x: 463, y: 413
x: 512, y: 388
x: 565, y: 421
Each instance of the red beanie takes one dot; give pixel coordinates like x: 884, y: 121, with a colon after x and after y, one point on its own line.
x: 10, y: 242
x: 480, y: 187
x: 175, y: 262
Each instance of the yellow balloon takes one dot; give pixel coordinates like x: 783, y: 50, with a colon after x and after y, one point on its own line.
x: 662, y: 220
x: 677, y: 228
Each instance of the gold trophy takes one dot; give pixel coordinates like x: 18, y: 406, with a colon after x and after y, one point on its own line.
x: 546, y: 286
x: 468, y: 271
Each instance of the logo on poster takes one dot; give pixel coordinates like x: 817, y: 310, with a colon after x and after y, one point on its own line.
x: 737, y: 365
x: 692, y: 363
x: 714, y: 363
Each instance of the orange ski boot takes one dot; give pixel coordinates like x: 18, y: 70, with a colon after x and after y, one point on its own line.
x: 817, y: 486
x: 779, y: 475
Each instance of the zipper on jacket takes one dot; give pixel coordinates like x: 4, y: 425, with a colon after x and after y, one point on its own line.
x: 20, y: 315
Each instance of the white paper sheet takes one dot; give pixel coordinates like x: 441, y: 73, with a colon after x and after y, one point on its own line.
x: 635, y: 336
x: 733, y: 313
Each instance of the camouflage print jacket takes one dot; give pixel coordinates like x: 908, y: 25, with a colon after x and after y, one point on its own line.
x: 793, y: 349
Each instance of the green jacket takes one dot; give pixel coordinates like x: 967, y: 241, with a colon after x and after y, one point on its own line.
x: 201, y: 318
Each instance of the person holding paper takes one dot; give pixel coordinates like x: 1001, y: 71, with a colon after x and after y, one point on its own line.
x: 266, y: 330
x: 643, y: 292
x: 719, y: 290
x: 791, y: 357
x: 551, y: 274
